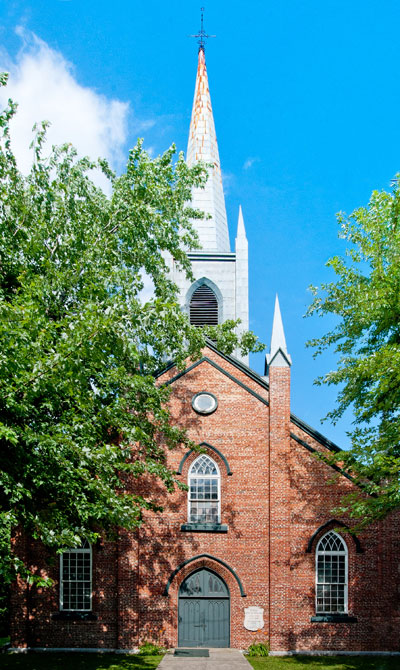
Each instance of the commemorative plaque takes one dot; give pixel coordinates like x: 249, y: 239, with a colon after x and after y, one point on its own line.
x: 253, y: 618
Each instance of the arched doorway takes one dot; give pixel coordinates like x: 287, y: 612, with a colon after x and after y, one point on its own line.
x: 203, y: 611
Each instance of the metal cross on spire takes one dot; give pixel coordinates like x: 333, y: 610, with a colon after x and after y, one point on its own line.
x: 202, y: 35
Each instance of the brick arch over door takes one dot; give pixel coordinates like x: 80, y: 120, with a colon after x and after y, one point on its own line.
x: 206, y: 560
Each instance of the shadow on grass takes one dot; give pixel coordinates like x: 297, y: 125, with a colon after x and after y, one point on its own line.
x: 326, y: 663
x: 77, y: 661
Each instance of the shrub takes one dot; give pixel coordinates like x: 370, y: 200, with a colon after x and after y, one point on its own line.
x: 258, y: 649
x: 150, y: 649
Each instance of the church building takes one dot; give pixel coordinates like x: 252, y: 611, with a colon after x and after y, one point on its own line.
x: 252, y: 551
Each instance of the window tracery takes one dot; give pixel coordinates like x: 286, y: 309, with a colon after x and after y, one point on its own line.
x: 331, y: 566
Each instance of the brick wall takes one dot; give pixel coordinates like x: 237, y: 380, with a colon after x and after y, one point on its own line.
x: 280, y: 495
x: 275, y: 499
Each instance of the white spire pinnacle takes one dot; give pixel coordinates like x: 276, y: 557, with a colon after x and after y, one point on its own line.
x: 278, y: 354
x: 241, y: 232
x: 202, y: 146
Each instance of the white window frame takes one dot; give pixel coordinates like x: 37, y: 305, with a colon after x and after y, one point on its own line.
x: 76, y: 550
x: 322, y: 552
x: 199, y: 476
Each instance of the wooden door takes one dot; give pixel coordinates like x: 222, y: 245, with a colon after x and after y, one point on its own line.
x: 203, y: 611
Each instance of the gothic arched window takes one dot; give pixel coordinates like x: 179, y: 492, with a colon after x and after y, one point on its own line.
x: 204, y: 498
x: 203, y: 309
x: 331, y: 574
x: 76, y: 578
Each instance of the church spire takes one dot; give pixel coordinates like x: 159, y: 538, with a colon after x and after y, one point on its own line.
x: 278, y: 353
x: 202, y: 146
x: 241, y: 232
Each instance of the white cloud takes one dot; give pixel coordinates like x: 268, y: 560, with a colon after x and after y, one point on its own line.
x: 44, y: 85
x: 228, y: 180
x: 249, y: 162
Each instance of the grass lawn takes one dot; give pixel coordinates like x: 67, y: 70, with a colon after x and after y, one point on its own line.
x: 77, y: 661
x: 326, y: 663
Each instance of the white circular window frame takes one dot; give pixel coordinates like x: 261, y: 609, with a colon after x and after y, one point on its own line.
x: 202, y: 411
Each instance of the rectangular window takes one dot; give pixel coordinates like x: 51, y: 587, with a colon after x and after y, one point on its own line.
x: 76, y: 580
x: 203, y: 500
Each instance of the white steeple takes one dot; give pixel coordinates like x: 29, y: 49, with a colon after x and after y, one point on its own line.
x: 202, y: 146
x: 219, y: 289
x: 242, y: 278
x: 278, y: 354
x: 241, y: 232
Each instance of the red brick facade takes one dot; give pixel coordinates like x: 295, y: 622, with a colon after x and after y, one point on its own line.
x: 275, y: 495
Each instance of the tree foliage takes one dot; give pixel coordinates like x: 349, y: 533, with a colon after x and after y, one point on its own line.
x: 365, y: 298
x: 80, y: 410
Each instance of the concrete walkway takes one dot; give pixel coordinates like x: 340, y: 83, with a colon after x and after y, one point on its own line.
x: 219, y: 659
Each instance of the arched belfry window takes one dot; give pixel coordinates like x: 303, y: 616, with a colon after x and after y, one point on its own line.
x: 331, y: 575
x: 204, y: 491
x: 203, y: 308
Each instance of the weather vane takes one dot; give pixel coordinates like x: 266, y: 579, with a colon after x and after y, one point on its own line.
x: 202, y: 35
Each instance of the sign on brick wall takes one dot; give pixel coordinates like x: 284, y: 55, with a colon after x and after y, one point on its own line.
x: 253, y: 618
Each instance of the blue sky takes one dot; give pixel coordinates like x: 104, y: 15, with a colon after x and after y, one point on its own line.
x: 305, y: 99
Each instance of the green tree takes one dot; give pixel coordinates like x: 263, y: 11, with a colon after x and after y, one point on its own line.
x: 80, y: 411
x: 365, y: 299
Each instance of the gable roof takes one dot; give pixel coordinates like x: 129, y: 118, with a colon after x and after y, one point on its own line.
x: 242, y: 367
x: 220, y: 369
x: 245, y: 369
x: 230, y: 359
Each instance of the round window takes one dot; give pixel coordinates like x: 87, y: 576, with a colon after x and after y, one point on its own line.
x: 204, y: 403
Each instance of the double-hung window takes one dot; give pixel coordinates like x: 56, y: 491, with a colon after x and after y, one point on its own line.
x: 76, y: 579
x: 331, y: 575
x: 204, y: 491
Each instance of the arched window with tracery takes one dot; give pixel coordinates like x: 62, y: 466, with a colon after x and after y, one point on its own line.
x: 76, y: 579
x: 203, y: 308
x: 204, y: 499
x: 331, y: 574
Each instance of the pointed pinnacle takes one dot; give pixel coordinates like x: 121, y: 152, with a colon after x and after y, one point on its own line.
x: 241, y: 231
x: 278, y: 341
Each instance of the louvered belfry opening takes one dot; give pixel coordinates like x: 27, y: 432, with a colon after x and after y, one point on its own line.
x: 204, y: 307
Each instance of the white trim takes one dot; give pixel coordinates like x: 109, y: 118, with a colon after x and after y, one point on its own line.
x: 74, y: 550
x: 344, y: 553
x: 217, y: 477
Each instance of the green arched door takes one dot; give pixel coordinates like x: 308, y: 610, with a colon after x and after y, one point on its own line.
x: 203, y: 611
